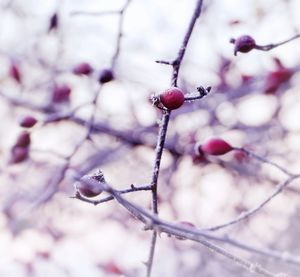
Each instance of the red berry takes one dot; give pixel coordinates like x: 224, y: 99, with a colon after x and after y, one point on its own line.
x: 112, y: 268
x: 275, y: 79
x: 19, y: 154
x: 89, y: 186
x: 53, y: 24
x: 83, y: 69
x: 172, y: 98
x: 216, y: 147
x: 246, y: 78
x: 23, y: 139
x: 243, y: 44
x: 61, y: 94
x: 14, y: 72
x: 240, y: 156
x: 106, y: 75
x: 28, y: 121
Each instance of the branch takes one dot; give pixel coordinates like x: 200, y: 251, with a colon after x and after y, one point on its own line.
x: 246, y: 215
x: 109, y: 198
x: 177, y: 62
x: 152, y: 221
x: 271, y: 46
x: 163, y: 129
x: 264, y: 160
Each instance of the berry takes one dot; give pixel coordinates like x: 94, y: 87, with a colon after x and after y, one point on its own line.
x: 14, y: 73
x: 18, y: 154
x: 243, y: 44
x: 106, y: 75
x: 275, y: 79
x: 28, y: 121
x: 83, y: 69
x: 240, y: 156
x: 23, y: 140
x: 61, y: 94
x: 89, y: 186
x: 112, y: 268
x: 216, y: 147
x: 172, y: 98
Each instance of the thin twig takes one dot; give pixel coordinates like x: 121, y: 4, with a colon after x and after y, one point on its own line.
x: 264, y: 160
x: 74, y: 13
x: 271, y: 46
x: 109, y: 198
x: 177, y: 62
x: 120, y: 34
x: 246, y: 215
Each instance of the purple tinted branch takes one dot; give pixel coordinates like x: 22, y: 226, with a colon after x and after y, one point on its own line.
x: 163, y: 128
x: 177, y: 62
x: 152, y: 221
x: 245, y: 215
x: 269, y: 47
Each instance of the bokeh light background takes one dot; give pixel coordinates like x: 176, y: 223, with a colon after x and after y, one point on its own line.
x: 60, y: 236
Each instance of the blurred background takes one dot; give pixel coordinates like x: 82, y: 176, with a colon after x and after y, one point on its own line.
x: 254, y: 103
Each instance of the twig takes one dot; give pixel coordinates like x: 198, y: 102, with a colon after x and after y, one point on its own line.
x: 74, y: 13
x: 264, y: 160
x: 246, y: 215
x: 177, y: 62
x: 271, y: 46
x: 120, y: 34
x: 109, y: 198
